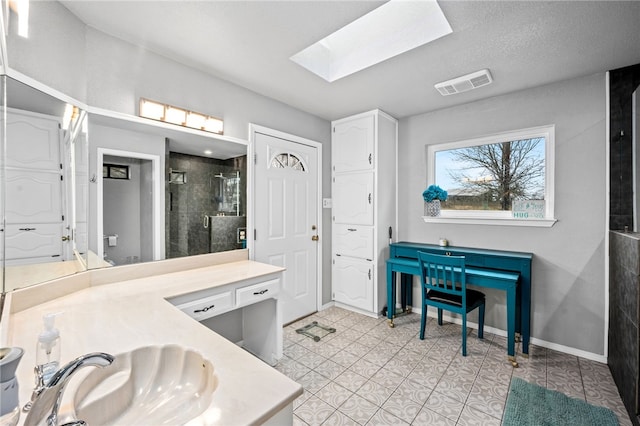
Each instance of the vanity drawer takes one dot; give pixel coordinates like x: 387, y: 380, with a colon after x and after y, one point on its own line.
x: 208, y: 307
x: 257, y: 292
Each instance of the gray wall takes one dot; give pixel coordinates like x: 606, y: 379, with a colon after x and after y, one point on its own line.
x: 120, y: 73
x: 54, y: 52
x: 124, y: 140
x: 123, y: 213
x: 569, y: 263
x: 106, y: 72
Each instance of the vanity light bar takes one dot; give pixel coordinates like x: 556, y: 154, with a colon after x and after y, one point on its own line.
x: 179, y: 116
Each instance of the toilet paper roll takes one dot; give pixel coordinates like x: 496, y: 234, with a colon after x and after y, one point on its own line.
x: 113, y: 241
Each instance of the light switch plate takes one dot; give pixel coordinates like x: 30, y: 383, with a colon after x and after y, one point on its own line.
x: 326, y: 203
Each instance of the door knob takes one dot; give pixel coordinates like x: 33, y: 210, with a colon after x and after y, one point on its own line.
x: 315, y: 238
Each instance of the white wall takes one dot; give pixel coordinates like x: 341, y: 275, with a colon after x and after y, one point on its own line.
x: 568, y: 300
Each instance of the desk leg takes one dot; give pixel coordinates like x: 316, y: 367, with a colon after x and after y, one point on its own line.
x: 525, y: 316
x: 511, y: 325
x: 406, y: 281
x: 391, y: 295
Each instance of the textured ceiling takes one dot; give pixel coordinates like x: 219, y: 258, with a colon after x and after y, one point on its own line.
x: 523, y: 43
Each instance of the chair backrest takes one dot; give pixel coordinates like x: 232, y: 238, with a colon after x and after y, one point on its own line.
x: 445, y: 274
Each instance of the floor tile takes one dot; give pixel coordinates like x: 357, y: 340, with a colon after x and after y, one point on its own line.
x: 367, y: 373
x: 314, y: 411
x: 359, y: 409
x: 383, y: 417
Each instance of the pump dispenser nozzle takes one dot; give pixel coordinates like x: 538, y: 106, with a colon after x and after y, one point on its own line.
x: 48, y: 348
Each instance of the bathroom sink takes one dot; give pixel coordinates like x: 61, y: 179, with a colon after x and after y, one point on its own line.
x: 155, y: 385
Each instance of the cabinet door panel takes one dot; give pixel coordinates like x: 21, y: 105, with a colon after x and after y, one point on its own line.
x: 352, y: 147
x: 33, y: 196
x: 38, y: 138
x: 354, y: 241
x: 353, y: 199
x: 33, y: 240
x: 353, y: 282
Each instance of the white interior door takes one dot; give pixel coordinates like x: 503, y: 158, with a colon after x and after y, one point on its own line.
x: 34, y: 209
x: 286, y: 218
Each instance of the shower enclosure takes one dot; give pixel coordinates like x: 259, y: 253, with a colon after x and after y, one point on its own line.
x: 206, y: 204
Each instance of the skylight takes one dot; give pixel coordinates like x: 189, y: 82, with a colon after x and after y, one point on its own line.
x: 393, y: 28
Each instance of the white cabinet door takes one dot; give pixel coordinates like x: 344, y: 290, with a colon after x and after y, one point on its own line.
x: 38, y: 241
x: 353, y: 282
x: 39, y: 146
x: 353, y: 142
x: 353, y: 198
x: 353, y: 241
x: 33, y: 197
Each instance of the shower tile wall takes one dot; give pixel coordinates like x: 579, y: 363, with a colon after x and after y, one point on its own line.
x: 624, y: 315
x: 189, y: 203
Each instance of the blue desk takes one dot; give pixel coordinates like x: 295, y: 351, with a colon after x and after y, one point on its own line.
x: 504, y: 270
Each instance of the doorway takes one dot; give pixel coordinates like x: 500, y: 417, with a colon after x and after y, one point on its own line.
x: 129, y: 221
x: 286, y: 215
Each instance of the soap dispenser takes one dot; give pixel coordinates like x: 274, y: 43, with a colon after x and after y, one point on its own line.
x: 10, y: 408
x: 48, y: 349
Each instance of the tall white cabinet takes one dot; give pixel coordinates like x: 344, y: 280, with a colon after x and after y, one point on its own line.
x: 363, y: 157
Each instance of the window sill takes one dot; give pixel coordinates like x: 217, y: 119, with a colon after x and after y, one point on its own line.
x: 539, y: 223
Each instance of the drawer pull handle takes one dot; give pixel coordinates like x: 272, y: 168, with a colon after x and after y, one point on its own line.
x: 258, y: 293
x: 197, y: 311
x: 26, y: 229
x: 370, y: 158
x: 351, y: 229
x: 369, y: 198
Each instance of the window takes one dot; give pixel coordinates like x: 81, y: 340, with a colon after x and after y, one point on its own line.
x: 115, y: 171
x: 499, y: 179
x: 287, y: 160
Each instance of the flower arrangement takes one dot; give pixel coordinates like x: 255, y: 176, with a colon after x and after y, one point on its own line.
x: 434, y: 192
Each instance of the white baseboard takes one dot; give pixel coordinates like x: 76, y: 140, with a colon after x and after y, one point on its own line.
x: 538, y: 342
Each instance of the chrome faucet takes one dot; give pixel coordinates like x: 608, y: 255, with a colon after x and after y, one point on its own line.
x: 49, y: 397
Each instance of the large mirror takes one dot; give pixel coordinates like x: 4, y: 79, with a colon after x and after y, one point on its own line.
x: 107, y: 190
x: 45, y: 193
x: 164, y: 192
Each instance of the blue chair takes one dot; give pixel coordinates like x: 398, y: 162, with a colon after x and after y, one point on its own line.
x: 444, y: 286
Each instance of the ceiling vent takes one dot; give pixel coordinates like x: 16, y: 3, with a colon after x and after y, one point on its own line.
x: 464, y: 83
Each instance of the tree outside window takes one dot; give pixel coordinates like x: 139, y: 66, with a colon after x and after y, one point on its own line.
x: 491, y: 176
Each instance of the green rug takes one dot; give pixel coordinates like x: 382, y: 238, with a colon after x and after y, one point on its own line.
x: 529, y: 405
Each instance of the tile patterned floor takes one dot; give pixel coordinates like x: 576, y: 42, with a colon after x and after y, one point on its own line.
x: 369, y: 374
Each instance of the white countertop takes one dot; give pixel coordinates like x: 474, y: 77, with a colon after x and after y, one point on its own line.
x: 119, y: 317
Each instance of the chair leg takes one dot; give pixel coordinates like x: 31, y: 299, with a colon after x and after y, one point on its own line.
x: 464, y: 334
x: 481, y: 322
x: 439, y: 316
x: 423, y: 321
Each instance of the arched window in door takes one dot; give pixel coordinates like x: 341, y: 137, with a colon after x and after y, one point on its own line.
x: 288, y: 160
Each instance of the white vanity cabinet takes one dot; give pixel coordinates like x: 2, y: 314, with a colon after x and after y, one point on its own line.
x: 364, y: 202
x: 245, y: 312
